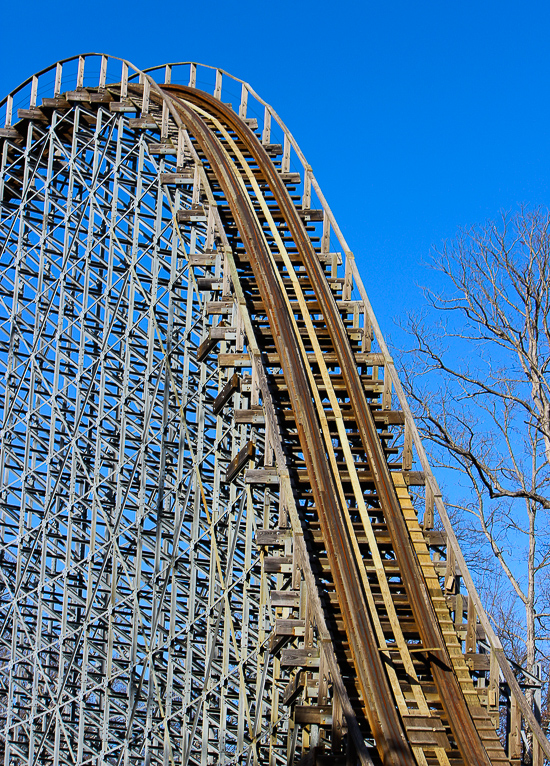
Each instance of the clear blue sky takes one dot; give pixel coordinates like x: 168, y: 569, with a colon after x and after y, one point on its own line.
x: 417, y: 118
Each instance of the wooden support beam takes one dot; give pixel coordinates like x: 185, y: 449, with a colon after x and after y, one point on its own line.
x: 240, y: 461
x: 230, y: 388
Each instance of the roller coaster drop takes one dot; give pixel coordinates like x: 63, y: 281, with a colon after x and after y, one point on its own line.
x: 217, y: 539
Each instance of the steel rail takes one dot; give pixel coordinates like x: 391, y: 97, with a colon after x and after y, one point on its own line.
x: 383, y: 718
x: 452, y: 698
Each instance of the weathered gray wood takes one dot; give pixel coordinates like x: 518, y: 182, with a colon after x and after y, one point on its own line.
x: 194, y: 214
x: 426, y: 731
x: 206, y: 347
x: 284, y: 598
x: 300, y: 658
x: 278, y: 564
x: 184, y: 178
x: 306, y: 214
x: 272, y: 536
x: 124, y: 107
x: 224, y: 306
x: 166, y: 148
x: 231, y: 387
x: 234, y: 360
x: 240, y: 461
x: 262, y: 476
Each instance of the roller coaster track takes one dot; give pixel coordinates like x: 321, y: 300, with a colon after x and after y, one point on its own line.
x: 217, y: 533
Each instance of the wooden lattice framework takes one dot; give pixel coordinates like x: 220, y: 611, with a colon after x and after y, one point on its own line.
x: 217, y: 538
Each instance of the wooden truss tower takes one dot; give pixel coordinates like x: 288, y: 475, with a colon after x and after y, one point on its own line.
x: 220, y: 539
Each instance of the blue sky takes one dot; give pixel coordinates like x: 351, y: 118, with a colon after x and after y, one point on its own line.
x: 417, y: 118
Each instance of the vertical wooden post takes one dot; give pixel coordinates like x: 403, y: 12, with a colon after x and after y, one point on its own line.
x: 386, y: 396
x: 243, y: 106
x: 514, y: 736
x: 103, y: 73
x: 218, y: 87
x: 285, y: 163
x: 9, y: 111
x: 459, y: 610
x: 325, y: 240
x: 471, y: 627
x: 124, y: 82
x: 306, y: 197
x: 428, y: 521
x: 337, y: 724
x: 58, y: 75
x: 181, y: 149
x: 80, y: 75
x: 407, y: 448
x: 266, y: 134
x: 145, y: 99
x: 450, y: 572
x: 494, y: 689
x: 34, y: 90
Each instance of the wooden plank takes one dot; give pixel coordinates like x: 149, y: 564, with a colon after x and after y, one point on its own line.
x: 294, y: 688
x: 206, y: 347
x: 389, y: 417
x: 284, y: 627
x: 55, y: 103
x: 78, y: 95
x: 426, y: 731
x: 285, y: 598
x: 231, y: 387
x: 240, y: 461
x: 125, y: 107
x: 101, y: 97
x: 194, y: 214
x: 32, y: 114
x: 186, y: 177
x: 371, y: 360
x: 436, y: 537
x: 145, y: 122
x: 254, y: 417
x: 163, y: 148
x: 278, y: 564
x: 203, y: 259
x: 312, y: 306
x: 414, y: 478
x: 223, y: 332
x: 234, y: 360
x: 207, y: 284
x: 478, y: 661
x: 307, y: 214
x: 274, y: 150
x: 225, y: 306
x: 282, y: 633
x: 262, y: 476
x: 272, y: 536
x: 300, y: 658
x: 321, y: 715
x: 291, y: 178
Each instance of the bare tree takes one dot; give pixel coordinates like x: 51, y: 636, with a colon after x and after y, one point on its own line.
x: 479, y: 379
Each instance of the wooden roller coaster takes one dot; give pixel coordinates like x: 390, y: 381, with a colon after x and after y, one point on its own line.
x: 220, y: 538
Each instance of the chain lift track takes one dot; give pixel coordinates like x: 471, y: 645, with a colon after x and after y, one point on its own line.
x: 220, y: 538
